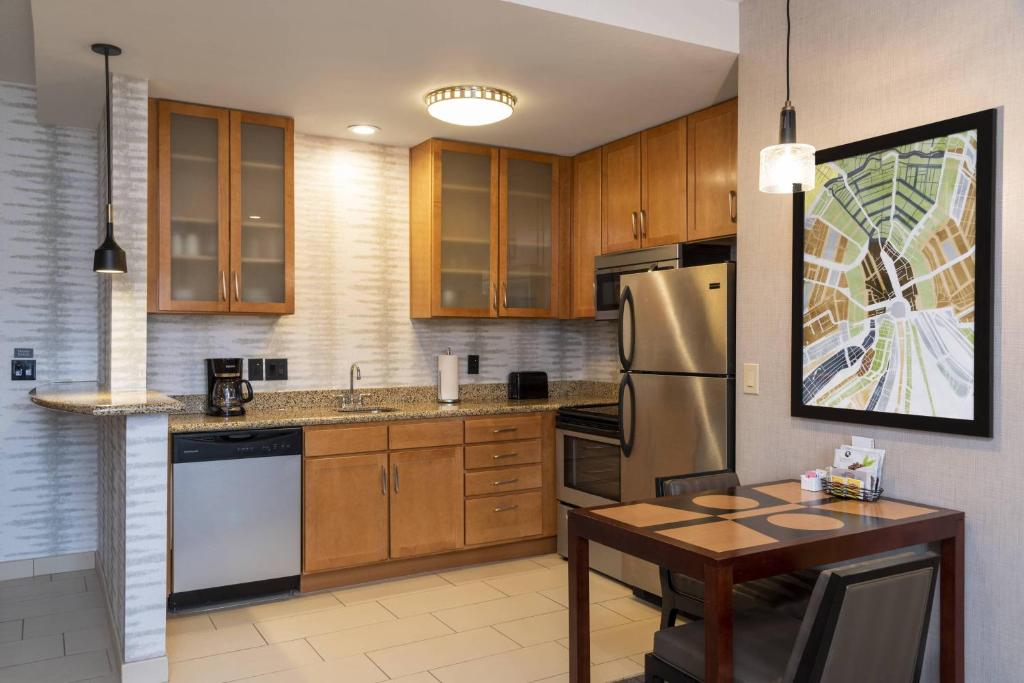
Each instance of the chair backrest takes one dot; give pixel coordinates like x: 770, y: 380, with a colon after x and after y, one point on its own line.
x: 690, y: 483
x: 867, y: 621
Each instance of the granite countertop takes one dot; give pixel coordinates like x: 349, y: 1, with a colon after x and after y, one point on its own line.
x: 300, y: 408
x: 88, y: 398
x: 321, y: 415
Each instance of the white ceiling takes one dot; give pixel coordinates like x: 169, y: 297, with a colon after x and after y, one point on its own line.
x: 331, y: 63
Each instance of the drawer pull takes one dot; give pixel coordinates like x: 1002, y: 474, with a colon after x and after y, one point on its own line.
x: 499, y: 456
x: 502, y: 430
x: 508, y: 508
x: 505, y: 482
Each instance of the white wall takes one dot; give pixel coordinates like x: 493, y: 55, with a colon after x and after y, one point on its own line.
x: 352, y: 297
x: 48, y: 302
x: 863, y: 69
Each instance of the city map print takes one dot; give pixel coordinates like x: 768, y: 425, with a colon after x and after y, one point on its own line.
x: 889, y: 280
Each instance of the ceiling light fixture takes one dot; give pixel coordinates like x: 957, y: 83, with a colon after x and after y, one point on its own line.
x: 787, y: 167
x: 108, y: 257
x: 363, y: 129
x: 470, y: 105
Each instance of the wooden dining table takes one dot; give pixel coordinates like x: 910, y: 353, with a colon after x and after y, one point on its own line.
x: 738, y: 534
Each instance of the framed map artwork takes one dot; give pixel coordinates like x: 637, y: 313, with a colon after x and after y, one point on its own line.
x: 892, y: 280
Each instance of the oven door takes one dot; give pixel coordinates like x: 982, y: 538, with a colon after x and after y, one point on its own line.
x: 589, y: 468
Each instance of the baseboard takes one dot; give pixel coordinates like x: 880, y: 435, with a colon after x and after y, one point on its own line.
x: 53, y: 564
x: 153, y: 670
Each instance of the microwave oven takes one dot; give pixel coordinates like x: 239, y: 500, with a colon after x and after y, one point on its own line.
x: 609, y: 268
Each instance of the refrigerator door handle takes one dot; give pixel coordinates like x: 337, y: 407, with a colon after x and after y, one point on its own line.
x: 624, y: 298
x: 626, y: 444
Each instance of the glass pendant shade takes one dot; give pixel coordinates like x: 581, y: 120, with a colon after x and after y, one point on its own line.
x: 470, y: 105
x: 787, y: 168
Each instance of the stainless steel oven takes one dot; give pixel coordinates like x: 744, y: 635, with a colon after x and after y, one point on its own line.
x: 609, y: 269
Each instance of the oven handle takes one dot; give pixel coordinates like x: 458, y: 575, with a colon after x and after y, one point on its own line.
x: 627, y: 444
x: 627, y: 297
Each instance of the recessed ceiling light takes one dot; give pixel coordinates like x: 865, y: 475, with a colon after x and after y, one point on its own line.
x: 470, y: 105
x: 363, y: 129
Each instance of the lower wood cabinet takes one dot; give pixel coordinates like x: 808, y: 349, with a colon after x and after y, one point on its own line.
x: 426, y: 501
x: 501, y: 518
x: 345, y: 511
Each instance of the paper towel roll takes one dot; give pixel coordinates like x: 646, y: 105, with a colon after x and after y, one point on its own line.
x: 447, y: 378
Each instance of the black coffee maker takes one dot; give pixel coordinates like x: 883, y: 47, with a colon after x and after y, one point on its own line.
x: 226, y: 391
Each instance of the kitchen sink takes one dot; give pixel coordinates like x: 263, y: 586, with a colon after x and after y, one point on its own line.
x: 368, y: 409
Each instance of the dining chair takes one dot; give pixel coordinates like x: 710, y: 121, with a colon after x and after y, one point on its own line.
x: 684, y: 595
x: 866, y: 621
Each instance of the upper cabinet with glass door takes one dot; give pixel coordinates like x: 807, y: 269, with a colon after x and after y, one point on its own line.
x: 484, y: 229
x: 221, y: 219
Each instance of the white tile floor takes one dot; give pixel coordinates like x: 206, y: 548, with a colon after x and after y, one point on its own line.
x: 502, y: 622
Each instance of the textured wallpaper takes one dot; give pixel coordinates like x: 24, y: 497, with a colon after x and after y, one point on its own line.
x: 859, y: 70
x: 352, y: 297
x: 48, y: 182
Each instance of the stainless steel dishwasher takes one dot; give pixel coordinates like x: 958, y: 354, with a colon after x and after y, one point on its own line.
x: 237, y: 515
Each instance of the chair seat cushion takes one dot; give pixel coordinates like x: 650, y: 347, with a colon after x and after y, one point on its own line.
x: 762, y: 642
x: 787, y: 593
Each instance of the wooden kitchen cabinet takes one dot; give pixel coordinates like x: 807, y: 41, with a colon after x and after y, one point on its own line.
x: 345, y: 511
x: 621, y: 165
x: 221, y: 233
x: 426, y: 501
x: 586, y: 230
x: 485, y: 227
x: 643, y: 189
x: 711, y: 180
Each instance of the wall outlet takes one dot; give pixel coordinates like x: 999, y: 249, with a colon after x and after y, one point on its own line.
x: 255, y: 369
x: 23, y: 370
x: 277, y: 368
x: 473, y: 364
x: 751, y: 378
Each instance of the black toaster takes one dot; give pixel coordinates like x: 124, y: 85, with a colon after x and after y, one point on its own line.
x: 523, y: 385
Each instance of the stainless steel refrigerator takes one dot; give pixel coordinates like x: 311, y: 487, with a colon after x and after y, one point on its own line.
x: 676, y: 347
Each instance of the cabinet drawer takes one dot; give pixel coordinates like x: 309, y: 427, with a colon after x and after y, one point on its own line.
x: 483, y: 429
x: 342, y: 439
x: 502, y: 518
x: 503, y: 480
x: 425, y: 434
x: 502, y: 454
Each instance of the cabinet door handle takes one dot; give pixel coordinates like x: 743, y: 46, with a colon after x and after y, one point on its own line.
x: 507, y: 508
x: 504, y: 295
x: 732, y: 205
x: 632, y: 217
x: 643, y: 223
x: 238, y: 288
x: 383, y: 480
x: 495, y: 288
x: 223, y: 286
x: 499, y: 456
x: 502, y: 430
x: 395, y: 477
x: 505, y: 482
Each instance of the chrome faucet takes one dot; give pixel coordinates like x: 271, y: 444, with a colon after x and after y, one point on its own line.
x: 354, y: 373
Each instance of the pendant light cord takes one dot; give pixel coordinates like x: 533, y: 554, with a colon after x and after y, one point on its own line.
x: 788, y: 30
x: 110, y: 170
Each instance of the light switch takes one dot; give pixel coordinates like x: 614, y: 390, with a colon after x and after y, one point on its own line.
x: 751, y: 378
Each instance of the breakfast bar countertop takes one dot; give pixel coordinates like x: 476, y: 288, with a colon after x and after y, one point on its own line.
x: 88, y: 398
x: 295, y: 409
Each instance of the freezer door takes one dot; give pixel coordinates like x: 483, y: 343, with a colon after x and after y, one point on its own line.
x: 671, y: 425
x: 678, y: 320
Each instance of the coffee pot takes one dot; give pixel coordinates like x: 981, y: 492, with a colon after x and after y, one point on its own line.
x: 226, y: 390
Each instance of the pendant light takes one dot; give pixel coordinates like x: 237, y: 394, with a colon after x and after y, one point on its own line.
x: 109, y: 257
x: 787, y: 167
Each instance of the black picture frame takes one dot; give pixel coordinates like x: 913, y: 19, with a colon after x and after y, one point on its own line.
x: 985, y: 123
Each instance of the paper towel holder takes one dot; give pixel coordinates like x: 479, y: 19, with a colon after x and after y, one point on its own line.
x: 455, y: 367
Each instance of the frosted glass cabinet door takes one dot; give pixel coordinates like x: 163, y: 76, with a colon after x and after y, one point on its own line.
x: 192, y: 207
x: 261, y: 214
x: 528, y: 233
x: 467, y: 249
